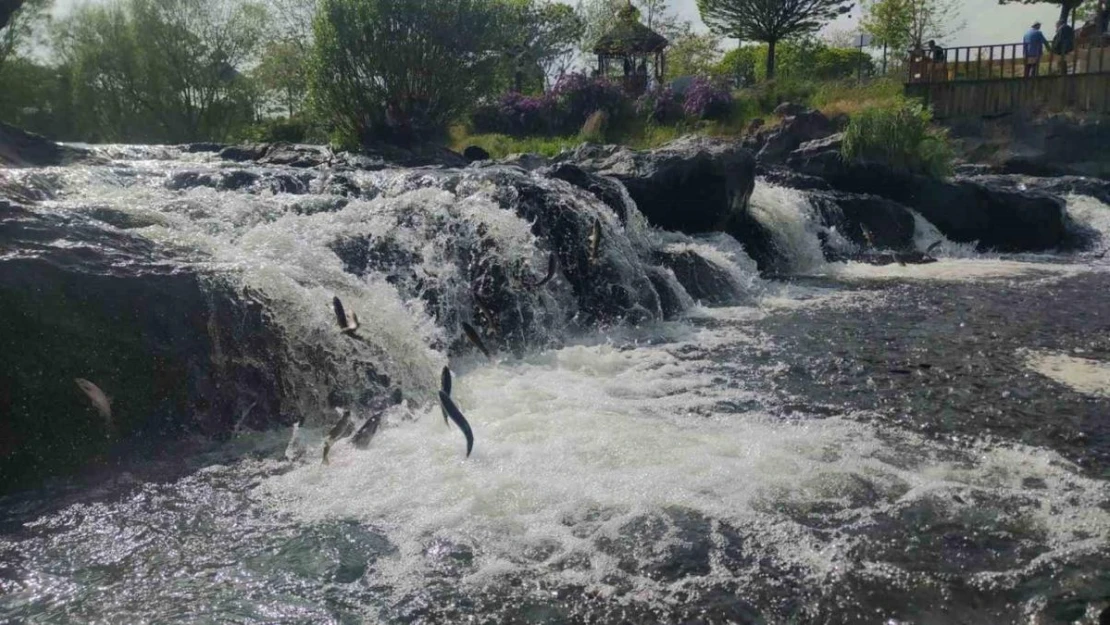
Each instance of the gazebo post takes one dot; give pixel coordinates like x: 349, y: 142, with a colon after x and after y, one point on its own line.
x: 634, y: 44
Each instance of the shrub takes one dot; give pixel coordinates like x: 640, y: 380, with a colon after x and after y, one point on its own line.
x: 516, y: 114
x: 294, y: 130
x: 593, y: 130
x: 707, y: 100
x: 401, y: 70
x: 579, y: 96
x: 660, y: 106
x: 901, y: 136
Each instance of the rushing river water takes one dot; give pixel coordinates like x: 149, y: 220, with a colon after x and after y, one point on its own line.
x: 851, y: 444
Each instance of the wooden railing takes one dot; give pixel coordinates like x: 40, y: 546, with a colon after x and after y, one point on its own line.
x: 993, y: 62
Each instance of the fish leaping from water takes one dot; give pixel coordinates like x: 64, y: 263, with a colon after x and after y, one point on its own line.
x: 551, y: 267
x: 341, y: 429
x: 453, y: 411
x: 934, y: 247
x: 472, y: 334
x: 346, y: 326
x: 101, y: 402
x: 595, y: 241
x: 445, y: 387
x: 293, y: 449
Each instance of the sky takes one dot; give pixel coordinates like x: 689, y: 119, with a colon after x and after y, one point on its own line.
x: 987, y: 21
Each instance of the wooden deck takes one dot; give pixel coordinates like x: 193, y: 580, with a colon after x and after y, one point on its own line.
x: 989, y: 81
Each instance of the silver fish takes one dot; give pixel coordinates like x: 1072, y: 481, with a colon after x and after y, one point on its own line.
x: 457, y: 416
x: 472, y: 334
x: 595, y: 241
x: 445, y: 386
x: 346, y: 326
x: 293, y: 449
x: 100, y: 401
x: 932, y: 248
x: 341, y: 429
x: 365, y: 433
x: 867, y: 235
x: 551, y: 266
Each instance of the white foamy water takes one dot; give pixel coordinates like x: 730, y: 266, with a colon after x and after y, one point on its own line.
x: 1091, y: 377
x: 787, y: 215
x: 635, y: 428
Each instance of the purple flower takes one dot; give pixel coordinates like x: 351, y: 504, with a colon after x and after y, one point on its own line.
x: 707, y: 100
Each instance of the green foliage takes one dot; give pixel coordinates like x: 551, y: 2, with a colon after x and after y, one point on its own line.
x: 905, y: 24
x: 538, y: 39
x: 769, y: 21
x: 35, y: 97
x: 161, y: 70
x: 401, y: 70
x: 282, y: 76
x: 17, y: 33
x: 299, y: 129
x: 692, y: 54
x: 801, y: 60
x: 1066, y: 6
x: 900, y: 136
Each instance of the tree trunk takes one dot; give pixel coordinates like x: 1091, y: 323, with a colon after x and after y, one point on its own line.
x: 7, y: 9
x: 771, y: 59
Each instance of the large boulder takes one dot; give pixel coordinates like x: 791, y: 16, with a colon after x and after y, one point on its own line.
x: 868, y: 221
x: 692, y: 185
x: 704, y: 280
x: 176, y: 353
x: 1054, y: 145
x: 964, y: 210
x: 19, y: 148
x: 775, y: 143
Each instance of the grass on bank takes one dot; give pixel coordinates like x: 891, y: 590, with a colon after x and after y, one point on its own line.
x: 831, y: 98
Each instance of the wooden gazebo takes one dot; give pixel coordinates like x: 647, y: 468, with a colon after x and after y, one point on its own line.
x: 632, y: 51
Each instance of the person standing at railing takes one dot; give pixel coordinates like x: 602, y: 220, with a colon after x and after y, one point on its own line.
x: 1063, y: 44
x: 938, y: 59
x: 1034, y: 44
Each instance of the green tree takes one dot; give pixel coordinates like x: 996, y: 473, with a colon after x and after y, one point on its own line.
x: 598, y: 16
x: 162, y: 70
x: 401, y: 70
x: 18, y: 21
x: 905, y: 24
x: 802, y: 59
x: 1066, y: 6
x: 693, y: 54
x: 769, y: 21
x: 283, y: 75
x: 539, y: 38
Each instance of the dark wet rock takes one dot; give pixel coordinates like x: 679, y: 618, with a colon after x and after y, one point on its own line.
x: 340, y: 184
x: 999, y: 218
x: 183, y: 180
x: 1056, y: 185
x: 429, y: 155
x: 606, y: 190
x: 286, y: 183
x: 674, y: 545
x: 868, y: 221
x: 703, y: 280
x: 527, y: 162
x: 245, y: 152
x: 783, y: 177
x: 474, y: 154
x: 1053, y: 145
x: 300, y: 156
x: 693, y: 185
x: 237, y: 179
x: 790, y: 109
x: 19, y: 148
x: 196, y: 148
x: 176, y: 353
x: 670, y: 300
x: 777, y: 142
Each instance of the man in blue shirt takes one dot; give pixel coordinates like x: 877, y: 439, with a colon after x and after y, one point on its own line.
x: 1035, y: 43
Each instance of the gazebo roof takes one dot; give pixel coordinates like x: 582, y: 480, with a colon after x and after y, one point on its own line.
x: 629, y: 36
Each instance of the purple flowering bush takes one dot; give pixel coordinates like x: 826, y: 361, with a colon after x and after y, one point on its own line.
x: 516, y: 114
x: 707, y: 100
x: 660, y: 105
x: 580, y: 96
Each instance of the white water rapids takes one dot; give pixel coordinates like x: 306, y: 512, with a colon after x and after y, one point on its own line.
x: 588, y: 432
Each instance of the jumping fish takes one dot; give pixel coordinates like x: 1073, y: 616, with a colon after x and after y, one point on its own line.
x: 341, y: 429
x: 445, y: 386
x: 451, y: 409
x: 293, y: 450
x: 595, y: 241
x: 345, y: 326
x: 867, y: 235
x: 367, y: 431
x: 472, y: 334
x: 100, y: 401
x: 550, y: 274
x: 932, y: 248
x: 487, y: 316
